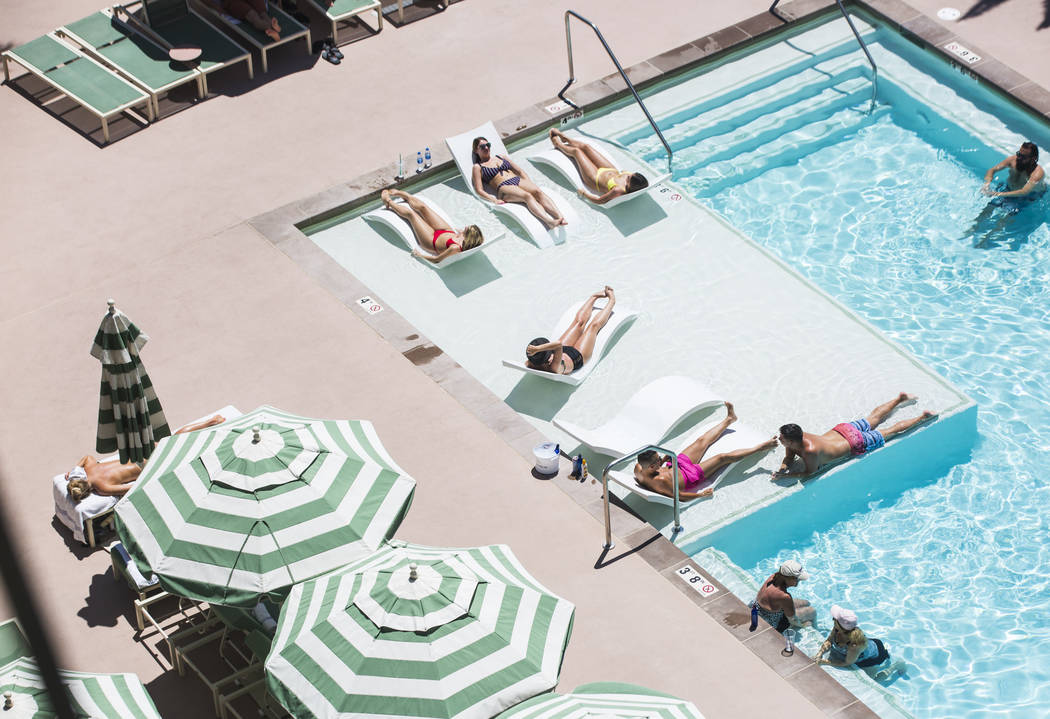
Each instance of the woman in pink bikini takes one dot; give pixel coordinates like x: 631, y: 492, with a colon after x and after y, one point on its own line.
x: 654, y: 471
x: 436, y: 239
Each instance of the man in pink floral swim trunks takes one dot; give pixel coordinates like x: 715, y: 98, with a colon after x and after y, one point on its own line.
x: 655, y: 473
x: 845, y: 439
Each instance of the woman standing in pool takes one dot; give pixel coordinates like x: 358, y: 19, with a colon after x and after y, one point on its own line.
x: 597, y: 171
x: 847, y: 646
x: 576, y: 345
x: 436, y: 239
x: 510, y: 184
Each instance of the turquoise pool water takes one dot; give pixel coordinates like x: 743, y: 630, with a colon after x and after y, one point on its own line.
x: 883, y: 213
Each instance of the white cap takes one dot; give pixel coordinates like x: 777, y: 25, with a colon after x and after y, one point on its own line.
x: 793, y: 568
x: 845, y: 617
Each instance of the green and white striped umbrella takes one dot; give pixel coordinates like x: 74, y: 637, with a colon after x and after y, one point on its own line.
x: 247, y: 508
x: 94, y: 696
x: 417, y: 631
x: 605, y: 700
x: 130, y: 418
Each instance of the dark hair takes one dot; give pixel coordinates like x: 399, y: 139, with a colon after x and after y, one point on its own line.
x: 540, y: 358
x: 1030, y: 159
x: 474, y: 150
x: 791, y: 432
x: 636, y: 181
x: 649, y: 457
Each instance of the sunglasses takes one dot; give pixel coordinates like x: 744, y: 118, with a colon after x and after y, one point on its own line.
x: 484, y: 145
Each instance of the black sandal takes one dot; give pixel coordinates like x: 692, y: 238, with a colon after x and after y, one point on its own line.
x: 328, y: 55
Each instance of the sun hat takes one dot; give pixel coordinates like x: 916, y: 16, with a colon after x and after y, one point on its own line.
x: 845, y: 617
x: 793, y: 568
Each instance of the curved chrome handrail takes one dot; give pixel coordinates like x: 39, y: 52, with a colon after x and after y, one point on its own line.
x: 605, y: 489
x: 630, y: 85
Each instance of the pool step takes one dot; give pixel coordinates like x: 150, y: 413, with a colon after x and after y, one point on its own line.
x: 770, y: 126
x: 726, y: 112
x: 709, y: 179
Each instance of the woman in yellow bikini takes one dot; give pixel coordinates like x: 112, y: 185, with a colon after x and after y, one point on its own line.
x: 596, y: 170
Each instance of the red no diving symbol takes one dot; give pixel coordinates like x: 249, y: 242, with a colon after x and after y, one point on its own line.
x: 675, y: 197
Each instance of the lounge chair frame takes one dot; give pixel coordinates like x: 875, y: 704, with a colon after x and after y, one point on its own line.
x: 42, y: 74
x: 94, y: 52
x: 285, y: 21
x: 347, y: 17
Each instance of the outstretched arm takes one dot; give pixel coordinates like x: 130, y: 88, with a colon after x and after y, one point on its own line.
x: 210, y: 422
x: 993, y: 170
x: 436, y: 259
x: 1033, y: 180
x: 602, y: 199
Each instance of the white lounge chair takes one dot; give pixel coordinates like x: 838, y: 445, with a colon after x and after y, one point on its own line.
x: 81, y: 517
x: 738, y: 436
x: 620, y: 317
x: 647, y: 417
x: 559, y: 162
x: 404, y: 231
x: 462, y: 153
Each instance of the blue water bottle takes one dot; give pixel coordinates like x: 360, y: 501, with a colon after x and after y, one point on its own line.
x: 419, y: 162
x: 754, y: 617
x: 426, y: 156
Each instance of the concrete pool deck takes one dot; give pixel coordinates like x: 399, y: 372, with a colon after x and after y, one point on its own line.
x: 156, y: 220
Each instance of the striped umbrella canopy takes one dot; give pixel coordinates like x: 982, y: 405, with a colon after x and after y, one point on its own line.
x: 94, y: 696
x: 130, y: 418
x: 605, y: 700
x: 247, y: 508
x: 417, y: 631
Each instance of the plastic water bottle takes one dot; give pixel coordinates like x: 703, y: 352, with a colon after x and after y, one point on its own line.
x: 419, y: 162
x: 426, y: 156
x: 400, y: 167
x: 754, y: 617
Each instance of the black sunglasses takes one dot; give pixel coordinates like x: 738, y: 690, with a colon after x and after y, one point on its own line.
x: 484, y: 145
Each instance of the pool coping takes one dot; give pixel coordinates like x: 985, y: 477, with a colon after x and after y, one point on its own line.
x: 281, y: 227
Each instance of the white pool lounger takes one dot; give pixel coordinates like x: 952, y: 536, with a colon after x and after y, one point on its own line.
x: 460, y: 147
x: 559, y: 162
x: 647, y: 417
x: 620, y: 317
x: 738, y: 436
x: 404, y: 231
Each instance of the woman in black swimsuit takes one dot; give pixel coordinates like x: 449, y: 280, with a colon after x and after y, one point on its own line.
x: 511, y: 184
x: 576, y: 345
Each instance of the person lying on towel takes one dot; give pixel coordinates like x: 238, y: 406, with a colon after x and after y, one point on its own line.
x: 111, y: 478
x: 843, y: 440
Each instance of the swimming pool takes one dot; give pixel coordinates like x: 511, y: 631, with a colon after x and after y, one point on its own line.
x: 882, y: 211
x: 820, y: 170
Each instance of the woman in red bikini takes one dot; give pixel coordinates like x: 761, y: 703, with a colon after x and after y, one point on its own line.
x: 654, y: 472
x: 510, y: 184
x: 436, y: 239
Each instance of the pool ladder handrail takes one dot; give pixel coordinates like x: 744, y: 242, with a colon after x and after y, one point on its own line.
x: 860, y: 41
x: 605, y: 489
x: 612, y: 56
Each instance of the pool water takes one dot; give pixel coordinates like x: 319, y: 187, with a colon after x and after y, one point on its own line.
x: 886, y: 217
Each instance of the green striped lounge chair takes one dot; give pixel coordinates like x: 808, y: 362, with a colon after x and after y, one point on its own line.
x: 83, y: 80
x: 291, y: 30
x: 130, y: 54
x: 178, y: 24
x: 343, y: 12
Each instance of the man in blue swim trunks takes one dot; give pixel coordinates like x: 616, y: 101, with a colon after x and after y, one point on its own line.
x: 843, y: 440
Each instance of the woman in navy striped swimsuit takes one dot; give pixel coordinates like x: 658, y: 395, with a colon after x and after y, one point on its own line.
x: 511, y: 184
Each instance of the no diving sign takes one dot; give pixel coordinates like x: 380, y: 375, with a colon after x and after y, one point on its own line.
x: 370, y: 306
x: 697, y: 581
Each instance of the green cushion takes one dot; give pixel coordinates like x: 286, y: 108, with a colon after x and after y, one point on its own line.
x: 146, y: 62
x: 97, y: 87
x: 289, y: 26
x: 13, y: 644
x: 44, y: 53
x: 342, y: 8
x: 161, y: 12
x: 97, y: 29
x: 216, y: 48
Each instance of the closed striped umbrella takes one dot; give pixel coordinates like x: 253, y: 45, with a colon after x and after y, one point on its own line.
x: 98, y: 696
x: 130, y: 418
x: 417, y: 631
x: 247, y: 508
x: 605, y: 700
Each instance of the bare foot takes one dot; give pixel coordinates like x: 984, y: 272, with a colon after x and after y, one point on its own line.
x: 274, y: 35
x: 274, y: 25
x: 731, y: 413
x: 905, y: 397
x: 385, y: 196
x: 561, y: 221
x: 927, y: 415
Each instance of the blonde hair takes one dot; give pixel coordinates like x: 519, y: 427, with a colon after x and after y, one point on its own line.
x: 78, y: 489
x: 472, y: 237
x: 853, y: 637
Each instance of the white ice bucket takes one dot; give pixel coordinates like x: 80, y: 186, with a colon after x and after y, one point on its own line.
x: 546, y: 455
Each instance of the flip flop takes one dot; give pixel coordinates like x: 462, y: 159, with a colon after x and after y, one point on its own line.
x: 336, y: 51
x: 327, y: 55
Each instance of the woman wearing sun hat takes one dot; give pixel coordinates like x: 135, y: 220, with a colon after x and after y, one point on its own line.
x: 776, y: 605
x: 847, y: 646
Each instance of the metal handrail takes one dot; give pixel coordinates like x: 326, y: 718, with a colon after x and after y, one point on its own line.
x: 605, y: 488
x: 630, y: 85
x: 860, y: 41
